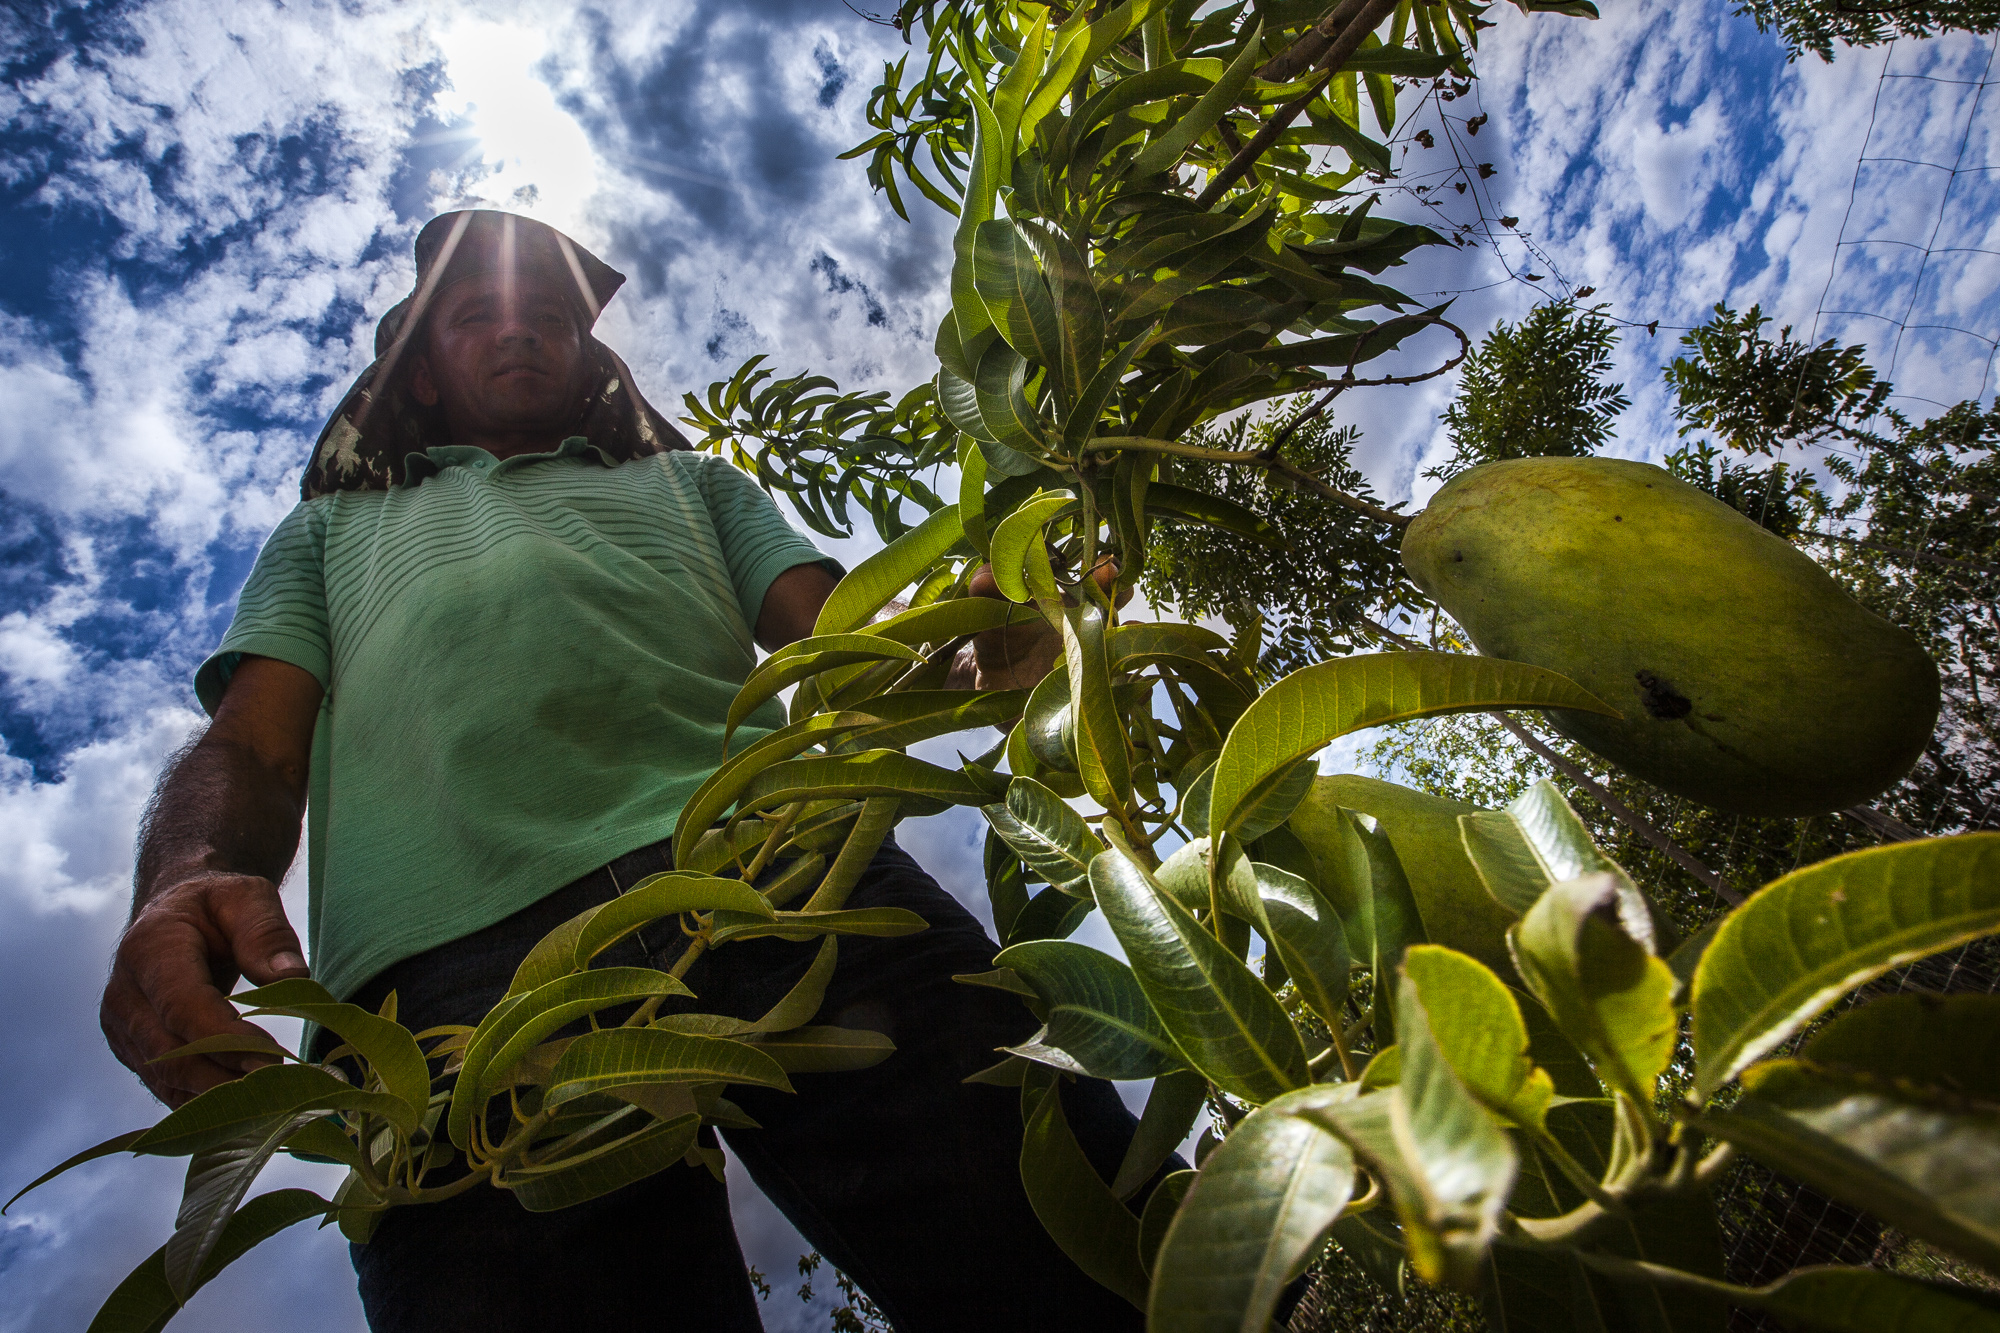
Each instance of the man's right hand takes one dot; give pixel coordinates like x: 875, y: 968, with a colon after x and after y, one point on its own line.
x: 173, y: 971
x: 206, y: 911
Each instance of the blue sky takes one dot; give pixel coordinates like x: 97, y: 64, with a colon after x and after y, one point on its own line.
x: 204, y: 207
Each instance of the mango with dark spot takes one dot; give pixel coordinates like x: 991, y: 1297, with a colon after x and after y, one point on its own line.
x: 1749, y: 679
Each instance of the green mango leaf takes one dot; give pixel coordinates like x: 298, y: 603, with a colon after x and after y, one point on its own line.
x: 217, y: 1180
x: 1364, y: 880
x: 1868, y: 1300
x: 803, y: 1000
x: 1423, y: 829
x: 1535, y: 842
x: 1000, y: 390
x: 868, y: 587
x: 1049, y: 915
x: 1479, y: 1031
x: 618, y: 1057
x: 117, y: 1143
x: 492, y: 1054
x: 144, y: 1302
x: 391, y: 1052
x: 1171, y: 1108
x: 1081, y: 312
x: 1584, y: 950
x: 714, y: 797
x: 1805, y: 940
x: 992, y: 163
x: 1159, y: 1214
x: 1949, y: 1044
x: 1020, y: 554
x: 960, y: 404
x: 1042, y: 829
x: 826, y: 1050
x: 1017, y: 297
x: 1892, y: 1107
x: 1094, y: 1010
x: 808, y: 657
x: 231, y: 1109
x: 852, y: 776
x: 1465, y: 1164
x: 1102, y: 759
x: 1166, y: 149
x: 873, y: 921
x: 1318, y: 704
x: 1220, y: 1015
x: 1081, y: 423
x: 1164, y: 500
x: 1540, y: 1291
x: 645, y: 1152
x: 658, y: 896
x: 1076, y: 1207
x: 950, y: 619
x: 1048, y: 732
x: 972, y: 491
x: 1310, y: 940
x: 1258, y: 1212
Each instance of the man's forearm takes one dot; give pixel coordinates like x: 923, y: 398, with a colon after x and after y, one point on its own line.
x: 218, y: 809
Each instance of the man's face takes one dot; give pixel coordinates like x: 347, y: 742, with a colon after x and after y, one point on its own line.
x: 503, y: 355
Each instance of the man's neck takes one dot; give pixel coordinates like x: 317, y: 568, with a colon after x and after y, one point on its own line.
x: 511, y: 444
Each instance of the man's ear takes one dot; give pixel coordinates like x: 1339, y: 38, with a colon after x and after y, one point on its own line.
x: 422, y: 387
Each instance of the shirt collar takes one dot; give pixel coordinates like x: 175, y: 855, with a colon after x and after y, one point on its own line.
x: 416, y: 467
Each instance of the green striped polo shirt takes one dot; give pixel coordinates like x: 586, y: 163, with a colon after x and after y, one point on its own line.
x: 527, y: 664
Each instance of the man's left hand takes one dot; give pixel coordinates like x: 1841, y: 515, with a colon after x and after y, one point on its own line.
x: 1018, y: 657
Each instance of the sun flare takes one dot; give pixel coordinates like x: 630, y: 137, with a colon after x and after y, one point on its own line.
x: 539, y: 159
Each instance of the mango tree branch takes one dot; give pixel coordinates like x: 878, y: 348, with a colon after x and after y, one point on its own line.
x: 1304, y: 53
x: 1370, y: 16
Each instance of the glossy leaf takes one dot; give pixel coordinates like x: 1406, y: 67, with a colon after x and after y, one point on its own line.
x: 1805, y: 940
x: 491, y: 1055
x: 117, y: 1143
x: 714, y: 797
x: 658, y: 896
x: 802, y: 1002
x: 1000, y: 391
x: 1220, y: 1015
x: 229, y: 1110
x: 144, y: 1302
x: 1017, y: 297
x: 1890, y: 1108
x: 1478, y: 1029
x: 650, y: 1149
x: 1019, y: 551
x: 1535, y: 842
x: 1166, y: 149
x: 1867, y: 1300
x: 826, y: 1050
x: 1102, y: 759
x: 1310, y: 940
x: 852, y: 776
x: 949, y: 619
x: 1094, y: 1010
x: 808, y: 657
x: 1075, y: 1206
x: 391, y: 1052
x: 1256, y: 1215
x: 1050, y: 837
x: 879, y: 922
x: 868, y: 587
x: 1583, y: 950
x: 618, y: 1057
x: 1464, y: 1162
x: 1364, y: 880
x: 1172, y: 1106
x: 992, y: 161
x: 1317, y: 704
x: 217, y: 1180
x: 1158, y: 1215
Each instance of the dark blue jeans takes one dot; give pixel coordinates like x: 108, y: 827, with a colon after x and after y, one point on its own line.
x: 902, y: 1175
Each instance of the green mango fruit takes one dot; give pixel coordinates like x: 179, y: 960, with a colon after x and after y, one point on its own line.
x: 1749, y: 680
x: 1456, y: 909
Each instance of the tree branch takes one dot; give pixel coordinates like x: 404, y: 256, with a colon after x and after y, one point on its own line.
x: 1304, y: 53
x: 1949, y: 562
x: 1352, y: 34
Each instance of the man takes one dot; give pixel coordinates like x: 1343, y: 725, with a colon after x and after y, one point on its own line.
x: 492, y: 649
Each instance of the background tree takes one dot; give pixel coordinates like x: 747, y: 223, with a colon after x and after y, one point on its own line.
x: 1535, y: 390
x: 1815, y: 25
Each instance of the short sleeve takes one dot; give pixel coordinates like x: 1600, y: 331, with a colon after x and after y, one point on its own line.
x: 757, y: 543
x: 281, y: 612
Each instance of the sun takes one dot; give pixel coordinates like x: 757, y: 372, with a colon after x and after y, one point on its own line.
x: 541, y: 161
